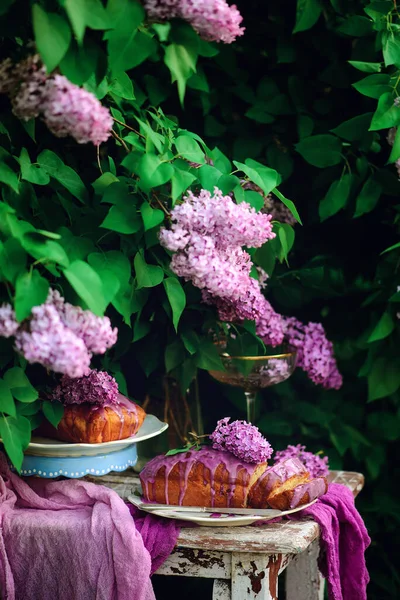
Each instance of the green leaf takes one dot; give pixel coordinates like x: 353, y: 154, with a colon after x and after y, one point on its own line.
x: 44, y: 249
x: 102, y: 182
x: 386, y: 115
x: 176, y: 297
x: 356, y: 26
x: 131, y: 51
x: 391, y: 49
x: 174, y: 355
x: 32, y: 173
x: 52, y: 36
x: 12, y: 259
x: 114, y: 261
x: 53, y: 411
x: 391, y: 248
x: 288, y: 203
x: 258, y: 113
x: 125, y: 16
x: 88, y: 285
x: 355, y: 128
x: 373, y: 86
x: 121, y: 85
x: 208, y: 358
x: 367, y: 67
x: 76, y: 11
x: 15, y: 434
x: 307, y: 14
x: 181, y: 180
x: 267, y: 179
x: 382, y: 329
x: 55, y: 167
x: 123, y: 219
x: 368, y: 197
x: 188, y: 148
x: 9, y: 177
x: 7, y: 404
x: 147, y: 276
x: 151, y: 216
x: 153, y: 172
x: 321, y: 150
x: 336, y: 198
x: 181, y: 61
x: 31, y: 290
x: 384, y: 378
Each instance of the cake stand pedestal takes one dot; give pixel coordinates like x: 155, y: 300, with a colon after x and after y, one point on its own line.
x: 74, y: 467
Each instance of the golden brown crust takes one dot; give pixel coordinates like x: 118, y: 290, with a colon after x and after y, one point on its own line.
x: 91, y: 424
x: 297, y: 494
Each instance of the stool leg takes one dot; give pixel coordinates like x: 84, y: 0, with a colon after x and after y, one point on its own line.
x: 255, y: 576
x: 221, y: 590
x: 303, y: 579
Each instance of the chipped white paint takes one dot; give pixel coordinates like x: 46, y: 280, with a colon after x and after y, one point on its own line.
x: 246, y: 561
x: 189, y: 562
x: 221, y: 590
x: 303, y: 579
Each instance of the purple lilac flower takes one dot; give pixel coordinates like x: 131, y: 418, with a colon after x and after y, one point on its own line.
x: 270, y: 325
x: 97, y: 387
x: 207, y: 235
x: 8, y: 322
x: 262, y: 278
x: 316, y: 465
x: 27, y: 98
x: 214, y: 20
x: 96, y: 332
x: 314, y: 352
x: 241, y: 439
x: 48, y: 342
x: 70, y: 110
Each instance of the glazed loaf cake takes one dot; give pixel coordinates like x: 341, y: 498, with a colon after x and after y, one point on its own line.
x: 216, y: 478
x: 94, y: 424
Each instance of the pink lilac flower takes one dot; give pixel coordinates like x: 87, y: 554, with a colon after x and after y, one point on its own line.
x: 262, y: 278
x: 70, y: 110
x: 97, y: 387
x: 8, y: 323
x: 27, y: 98
x: 214, y: 20
x: 316, y: 465
x: 48, y: 342
x: 241, y: 439
x: 270, y: 325
x: 314, y: 352
x: 275, y: 371
x: 207, y: 235
x: 96, y: 332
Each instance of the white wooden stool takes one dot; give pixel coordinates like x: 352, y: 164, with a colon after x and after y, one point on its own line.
x: 245, y: 562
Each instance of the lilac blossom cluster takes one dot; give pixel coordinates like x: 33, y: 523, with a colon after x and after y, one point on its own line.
x: 214, y: 20
x: 241, y: 439
x: 316, y: 465
x: 207, y: 235
x: 270, y: 325
x: 314, y: 352
x: 97, y: 387
x: 65, y: 108
x: 58, y: 335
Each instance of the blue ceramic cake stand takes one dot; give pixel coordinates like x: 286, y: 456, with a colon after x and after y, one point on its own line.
x: 75, y: 467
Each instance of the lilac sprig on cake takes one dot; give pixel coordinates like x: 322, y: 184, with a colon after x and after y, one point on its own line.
x: 316, y: 465
x: 98, y: 387
x: 241, y: 439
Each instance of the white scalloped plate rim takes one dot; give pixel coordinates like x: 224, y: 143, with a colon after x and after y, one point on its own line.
x: 222, y: 520
x: 40, y: 446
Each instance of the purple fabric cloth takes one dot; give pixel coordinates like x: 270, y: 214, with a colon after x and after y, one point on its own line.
x: 344, y: 539
x: 68, y: 540
x: 159, y: 535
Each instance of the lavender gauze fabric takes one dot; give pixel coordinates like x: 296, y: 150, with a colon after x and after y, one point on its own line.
x: 344, y: 539
x: 159, y: 535
x: 68, y: 540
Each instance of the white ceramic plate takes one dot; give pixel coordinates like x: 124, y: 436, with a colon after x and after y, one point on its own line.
x: 206, y: 520
x: 40, y: 446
